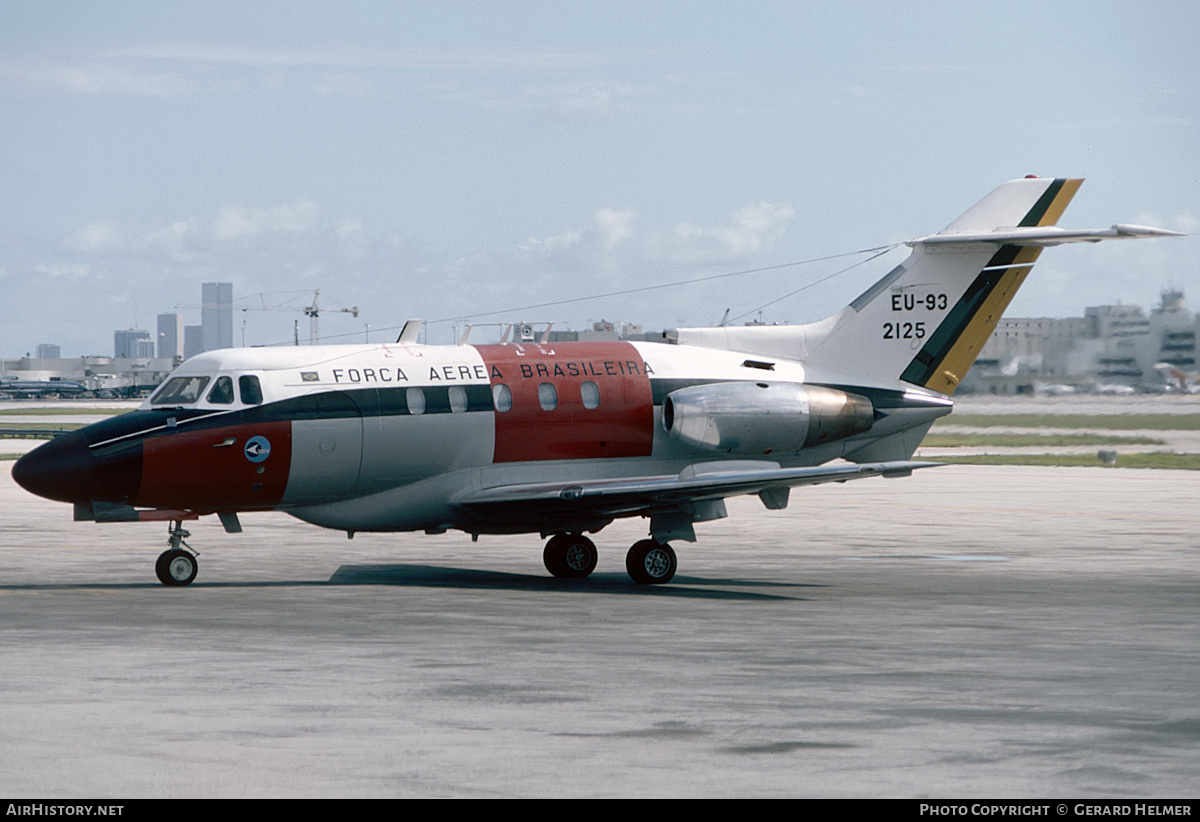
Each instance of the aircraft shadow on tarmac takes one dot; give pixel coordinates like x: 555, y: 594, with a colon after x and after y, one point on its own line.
x: 435, y: 576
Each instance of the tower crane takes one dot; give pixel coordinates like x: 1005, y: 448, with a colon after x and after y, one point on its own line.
x: 313, y: 311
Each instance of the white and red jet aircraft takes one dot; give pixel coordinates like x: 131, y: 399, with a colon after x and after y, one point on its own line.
x: 563, y: 438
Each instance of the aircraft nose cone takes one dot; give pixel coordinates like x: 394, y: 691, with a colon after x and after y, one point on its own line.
x: 61, y: 469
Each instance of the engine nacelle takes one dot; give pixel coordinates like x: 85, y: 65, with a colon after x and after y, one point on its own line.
x: 759, y: 418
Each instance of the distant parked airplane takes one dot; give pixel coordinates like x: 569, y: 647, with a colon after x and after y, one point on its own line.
x: 41, y: 388
x: 1184, y: 381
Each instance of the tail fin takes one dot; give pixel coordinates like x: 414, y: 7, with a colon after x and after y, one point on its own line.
x: 926, y: 321
x: 972, y: 283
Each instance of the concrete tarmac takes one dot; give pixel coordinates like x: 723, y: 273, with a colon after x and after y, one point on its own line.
x: 966, y: 632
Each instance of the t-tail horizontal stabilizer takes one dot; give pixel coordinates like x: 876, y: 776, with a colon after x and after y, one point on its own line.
x: 925, y: 322
x: 1044, y: 236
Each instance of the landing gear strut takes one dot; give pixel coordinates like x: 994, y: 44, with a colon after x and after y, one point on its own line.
x: 175, y: 566
x: 570, y: 556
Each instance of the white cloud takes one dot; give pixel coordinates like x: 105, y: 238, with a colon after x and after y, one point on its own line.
x: 236, y: 224
x: 172, y: 69
x: 352, y: 240
x: 92, y: 77
x: 613, y: 239
x: 186, y: 240
x: 425, y: 58
x: 585, y: 100
x: 750, y: 231
x: 55, y: 271
x: 176, y: 241
x: 99, y: 238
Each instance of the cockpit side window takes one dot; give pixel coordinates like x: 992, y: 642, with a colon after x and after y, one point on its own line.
x: 222, y: 392
x: 180, y: 391
x: 251, y: 390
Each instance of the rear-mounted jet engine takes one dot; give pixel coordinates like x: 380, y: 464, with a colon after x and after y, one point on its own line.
x: 759, y: 418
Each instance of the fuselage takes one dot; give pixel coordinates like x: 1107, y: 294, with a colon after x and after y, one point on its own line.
x: 383, y: 437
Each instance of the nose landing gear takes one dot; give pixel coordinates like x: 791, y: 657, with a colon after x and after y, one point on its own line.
x: 176, y: 566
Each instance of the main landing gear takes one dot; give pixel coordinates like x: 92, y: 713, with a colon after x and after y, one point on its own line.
x: 573, y: 556
x: 175, y: 565
x: 650, y: 562
x: 570, y: 556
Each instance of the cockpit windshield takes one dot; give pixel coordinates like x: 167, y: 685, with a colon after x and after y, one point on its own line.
x: 180, y: 391
x: 177, y: 391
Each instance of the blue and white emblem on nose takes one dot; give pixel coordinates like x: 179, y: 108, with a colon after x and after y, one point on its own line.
x: 257, y: 449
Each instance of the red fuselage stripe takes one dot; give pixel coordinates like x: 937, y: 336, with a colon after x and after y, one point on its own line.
x: 599, y: 403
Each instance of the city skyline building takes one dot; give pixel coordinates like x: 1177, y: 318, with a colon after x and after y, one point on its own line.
x: 170, y: 335
x: 193, y: 341
x: 216, y: 315
x: 133, y: 343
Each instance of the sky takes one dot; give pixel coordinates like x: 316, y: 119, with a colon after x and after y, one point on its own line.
x: 660, y: 163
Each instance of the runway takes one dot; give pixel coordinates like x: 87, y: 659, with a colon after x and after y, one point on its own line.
x: 966, y: 632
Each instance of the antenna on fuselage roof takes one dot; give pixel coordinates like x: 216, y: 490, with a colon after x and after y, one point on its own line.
x: 411, y: 332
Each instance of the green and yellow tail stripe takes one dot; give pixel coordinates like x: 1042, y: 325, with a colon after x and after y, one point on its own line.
x: 952, y: 348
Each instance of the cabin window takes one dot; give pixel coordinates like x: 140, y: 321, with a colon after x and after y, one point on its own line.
x: 222, y: 392
x: 502, y: 397
x: 458, y: 399
x: 416, y: 400
x: 250, y: 389
x: 547, y: 396
x: 180, y: 391
x: 589, y: 392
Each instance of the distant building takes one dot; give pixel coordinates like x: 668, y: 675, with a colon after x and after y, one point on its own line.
x: 133, y: 343
x: 1173, y: 329
x: 48, y: 351
x: 193, y: 341
x: 216, y: 315
x: 170, y: 335
x: 1110, y: 345
x: 108, y: 376
x: 602, y: 330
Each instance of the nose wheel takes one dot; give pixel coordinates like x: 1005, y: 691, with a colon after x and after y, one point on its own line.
x: 176, y: 566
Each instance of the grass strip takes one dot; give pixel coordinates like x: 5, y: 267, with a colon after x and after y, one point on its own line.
x: 1104, y: 422
x: 1032, y: 440
x: 61, y: 411
x: 1156, y: 459
x: 42, y: 426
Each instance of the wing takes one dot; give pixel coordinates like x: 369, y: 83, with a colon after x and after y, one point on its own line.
x: 688, y: 492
